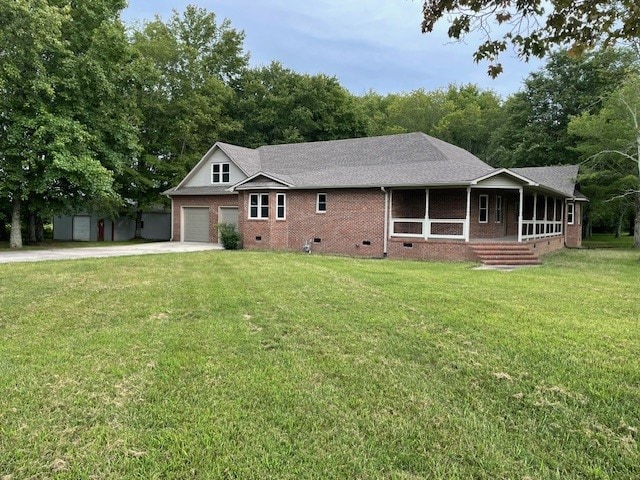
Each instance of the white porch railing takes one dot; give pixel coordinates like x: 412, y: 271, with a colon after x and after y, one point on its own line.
x: 423, y: 228
x: 532, y: 229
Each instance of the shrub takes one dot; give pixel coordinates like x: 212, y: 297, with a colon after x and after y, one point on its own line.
x: 229, y: 236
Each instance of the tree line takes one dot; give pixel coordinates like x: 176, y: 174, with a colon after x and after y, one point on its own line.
x: 97, y: 115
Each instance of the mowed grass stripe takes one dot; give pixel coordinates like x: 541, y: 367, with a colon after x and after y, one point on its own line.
x: 272, y: 365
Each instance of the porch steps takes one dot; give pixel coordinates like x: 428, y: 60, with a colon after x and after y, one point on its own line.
x: 507, y: 254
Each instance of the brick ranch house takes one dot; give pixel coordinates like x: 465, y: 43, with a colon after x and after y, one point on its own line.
x: 401, y: 196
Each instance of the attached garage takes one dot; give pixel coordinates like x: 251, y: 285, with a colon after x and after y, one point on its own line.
x: 195, y: 224
x: 81, y: 228
x: 228, y: 215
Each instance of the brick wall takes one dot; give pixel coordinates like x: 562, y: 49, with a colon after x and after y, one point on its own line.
x: 212, y: 202
x: 448, y: 203
x: 493, y: 229
x: 574, y: 232
x: 353, y: 223
x: 419, y: 249
x: 543, y: 246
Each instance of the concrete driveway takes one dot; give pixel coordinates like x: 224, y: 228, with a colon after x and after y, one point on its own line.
x: 12, y: 256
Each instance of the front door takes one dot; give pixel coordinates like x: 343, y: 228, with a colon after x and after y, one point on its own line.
x: 101, y: 230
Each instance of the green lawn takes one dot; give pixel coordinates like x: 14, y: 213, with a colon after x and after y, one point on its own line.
x: 605, y: 240
x: 271, y: 365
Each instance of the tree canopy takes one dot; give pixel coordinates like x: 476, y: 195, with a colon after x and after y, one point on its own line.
x: 65, y: 124
x: 533, y: 27
x: 610, y: 143
x: 186, y: 67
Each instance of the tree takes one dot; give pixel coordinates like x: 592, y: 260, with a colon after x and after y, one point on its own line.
x: 533, y: 27
x: 186, y: 69
x: 64, y: 109
x: 463, y: 115
x: 534, y: 129
x: 469, y: 118
x: 610, y: 141
x: 277, y: 105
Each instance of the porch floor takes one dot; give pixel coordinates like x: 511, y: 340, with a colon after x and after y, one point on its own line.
x: 506, y: 239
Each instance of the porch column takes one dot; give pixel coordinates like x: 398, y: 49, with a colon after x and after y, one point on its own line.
x: 427, y: 223
x: 535, y: 214
x: 467, y: 223
x: 521, y: 193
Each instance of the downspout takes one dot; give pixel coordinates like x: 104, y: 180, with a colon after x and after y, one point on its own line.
x: 386, y: 222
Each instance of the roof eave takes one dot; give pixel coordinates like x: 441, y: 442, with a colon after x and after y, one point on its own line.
x: 506, y: 171
x: 285, y: 184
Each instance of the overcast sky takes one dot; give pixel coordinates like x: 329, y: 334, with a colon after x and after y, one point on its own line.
x: 366, y: 44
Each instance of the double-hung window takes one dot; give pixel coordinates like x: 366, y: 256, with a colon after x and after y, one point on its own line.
x: 571, y: 213
x: 281, y: 206
x: 321, y: 204
x: 259, y: 205
x: 483, y: 212
x: 220, y: 173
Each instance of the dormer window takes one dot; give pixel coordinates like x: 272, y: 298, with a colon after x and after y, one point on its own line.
x: 220, y: 173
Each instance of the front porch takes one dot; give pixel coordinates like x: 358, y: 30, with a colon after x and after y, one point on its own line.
x: 475, y: 214
x: 475, y: 223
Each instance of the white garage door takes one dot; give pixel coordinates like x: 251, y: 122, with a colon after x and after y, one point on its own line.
x: 82, y: 228
x: 228, y: 215
x: 196, y: 224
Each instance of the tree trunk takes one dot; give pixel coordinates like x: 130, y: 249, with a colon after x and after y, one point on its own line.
x: 15, y: 240
x: 39, y: 229
x: 619, y: 223
x: 31, y: 236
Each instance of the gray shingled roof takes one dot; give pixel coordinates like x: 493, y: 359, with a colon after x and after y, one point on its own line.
x: 561, y: 178
x: 411, y: 159
x: 394, y: 160
x: 246, y: 158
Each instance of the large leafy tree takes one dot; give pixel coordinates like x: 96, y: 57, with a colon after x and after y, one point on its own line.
x: 65, y: 123
x: 187, y: 67
x: 277, y: 105
x: 532, y: 28
x: 610, y: 143
x: 469, y: 117
x: 416, y: 111
x: 463, y: 115
x: 534, y: 129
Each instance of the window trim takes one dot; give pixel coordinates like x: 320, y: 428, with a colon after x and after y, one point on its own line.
x: 318, y: 203
x: 499, y: 208
x: 484, y: 209
x: 282, y: 196
x: 221, y: 173
x: 571, y: 213
x: 259, y: 206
